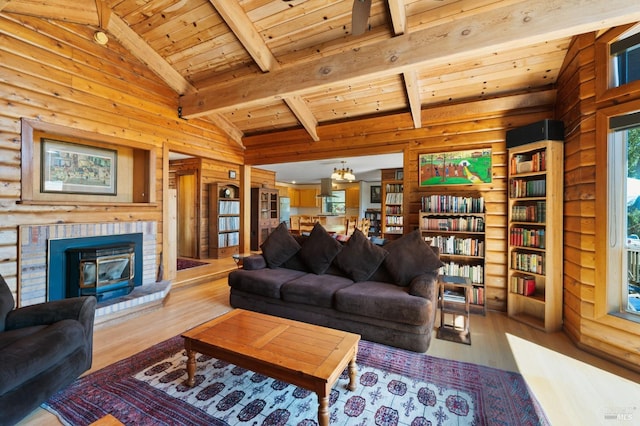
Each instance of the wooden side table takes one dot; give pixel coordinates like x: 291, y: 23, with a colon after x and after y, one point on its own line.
x: 454, y: 296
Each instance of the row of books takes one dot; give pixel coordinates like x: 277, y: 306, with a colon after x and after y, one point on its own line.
x: 452, y: 204
x: 229, y: 239
x: 393, y: 229
x: 459, y: 246
x: 475, y: 273
x: 394, y: 220
x: 229, y: 207
x: 457, y: 295
x: 530, y: 213
x: 520, y: 188
x: 228, y: 223
x: 393, y: 198
x: 528, y: 262
x: 467, y: 223
x: 526, y: 163
x: 525, y: 237
x: 393, y: 210
x: 394, y: 187
x: 525, y: 285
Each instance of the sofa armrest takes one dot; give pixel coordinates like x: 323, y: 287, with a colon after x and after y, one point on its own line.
x: 425, y: 285
x: 254, y: 261
x: 81, y: 309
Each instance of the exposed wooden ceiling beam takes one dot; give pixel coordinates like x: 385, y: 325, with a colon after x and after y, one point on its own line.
x: 509, y: 27
x: 398, y: 16
x: 245, y: 31
x: 104, y: 13
x: 304, y: 115
x: 3, y: 3
x: 413, y: 93
x: 140, y: 49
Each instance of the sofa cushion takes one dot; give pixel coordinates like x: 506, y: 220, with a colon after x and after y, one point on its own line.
x: 28, y: 357
x: 279, y: 246
x: 359, y: 258
x: 312, y: 289
x: 319, y: 250
x: 10, y: 337
x: 410, y: 256
x: 384, y: 301
x: 263, y: 282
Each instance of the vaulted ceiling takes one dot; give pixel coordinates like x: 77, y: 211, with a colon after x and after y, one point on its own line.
x: 256, y: 66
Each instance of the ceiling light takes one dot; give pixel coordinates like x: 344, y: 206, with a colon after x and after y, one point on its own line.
x: 100, y: 37
x: 343, y: 173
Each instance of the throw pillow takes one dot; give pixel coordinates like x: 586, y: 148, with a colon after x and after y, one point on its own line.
x: 319, y: 250
x: 410, y: 256
x: 359, y: 257
x: 279, y: 246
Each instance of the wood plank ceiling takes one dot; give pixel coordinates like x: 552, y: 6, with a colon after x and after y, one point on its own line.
x: 257, y: 66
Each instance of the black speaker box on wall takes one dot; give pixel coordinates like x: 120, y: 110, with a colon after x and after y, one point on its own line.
x: 540, y: 131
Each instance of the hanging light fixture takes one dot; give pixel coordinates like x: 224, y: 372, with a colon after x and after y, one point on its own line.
x: 343, y: 173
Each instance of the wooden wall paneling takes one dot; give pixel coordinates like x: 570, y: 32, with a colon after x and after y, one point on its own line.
x: 57, y: 76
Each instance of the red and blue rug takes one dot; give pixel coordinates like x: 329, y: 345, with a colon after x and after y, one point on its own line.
x: 395, y: 387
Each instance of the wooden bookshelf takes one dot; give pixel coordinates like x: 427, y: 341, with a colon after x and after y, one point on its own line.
x: 393, y: 219
x: 456, y: 226
x: 535, y: 230
x: 224, y: 220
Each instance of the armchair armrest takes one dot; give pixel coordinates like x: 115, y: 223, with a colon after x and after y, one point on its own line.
x: 255, y: 261
x: 81, y: 309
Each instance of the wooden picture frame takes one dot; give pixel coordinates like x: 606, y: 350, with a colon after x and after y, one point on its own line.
x: 468, y: 167
x: 376, y: 194
x: 232, y: 174
x: 77, y: 169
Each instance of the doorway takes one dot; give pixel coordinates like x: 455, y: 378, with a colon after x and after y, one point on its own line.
x: 187, y: 214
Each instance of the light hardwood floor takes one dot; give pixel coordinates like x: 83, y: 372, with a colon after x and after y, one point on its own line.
x: 574, y: 387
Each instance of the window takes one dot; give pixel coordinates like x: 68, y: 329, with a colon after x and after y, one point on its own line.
x: 625, y: 55
x: 624, y: 213
x: 336, y: 204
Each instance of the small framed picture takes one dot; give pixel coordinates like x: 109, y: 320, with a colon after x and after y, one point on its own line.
x: 399, y: 174
x: 376, y: 195
x: 232, y: 174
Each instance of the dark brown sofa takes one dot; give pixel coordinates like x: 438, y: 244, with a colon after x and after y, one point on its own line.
x: 386, y: 294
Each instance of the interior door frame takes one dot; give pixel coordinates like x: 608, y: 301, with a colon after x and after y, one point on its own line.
x: 197, y: 206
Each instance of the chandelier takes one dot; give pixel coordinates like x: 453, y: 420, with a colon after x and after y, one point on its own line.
x: 343, y: 173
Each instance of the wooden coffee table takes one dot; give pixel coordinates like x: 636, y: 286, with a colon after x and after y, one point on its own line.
x: 304, y: 355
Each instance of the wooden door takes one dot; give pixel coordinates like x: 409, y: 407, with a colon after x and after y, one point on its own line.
x: 187, y: 215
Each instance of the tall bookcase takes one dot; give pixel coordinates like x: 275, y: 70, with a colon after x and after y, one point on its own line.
x: 535, y: 234
x: 375, y: 221
x: 456, y: 225
x: 392, y: 203
x: 224, y: 220
x: 265, y: 215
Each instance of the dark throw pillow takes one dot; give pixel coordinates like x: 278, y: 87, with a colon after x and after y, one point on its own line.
x: 279, y: 246
x: 319, y: 250
x: 359, y: 258
x: 410, y: 256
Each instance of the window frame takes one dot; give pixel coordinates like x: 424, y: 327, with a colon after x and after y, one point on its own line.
x: 603, y: 71
x: 607, y: 296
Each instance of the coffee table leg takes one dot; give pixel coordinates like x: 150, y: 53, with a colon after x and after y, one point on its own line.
x: 353, y: 373
x: 323, y: 410
x: 191, y: 367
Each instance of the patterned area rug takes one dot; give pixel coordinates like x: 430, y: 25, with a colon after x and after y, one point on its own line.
x: 395, y: 387
x: 189, y: 263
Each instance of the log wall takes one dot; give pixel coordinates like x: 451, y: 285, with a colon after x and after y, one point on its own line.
x: 454, y: 127
x: 52, y: 72
x: 587, y: 319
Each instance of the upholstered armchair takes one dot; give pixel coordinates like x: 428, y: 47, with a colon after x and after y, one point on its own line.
x: 43, y: 348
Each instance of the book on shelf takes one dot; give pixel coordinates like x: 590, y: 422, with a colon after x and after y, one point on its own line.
x: 527, y: 163
x: 525, y: 285
x: 453, y: 295
x: 452, y: 204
